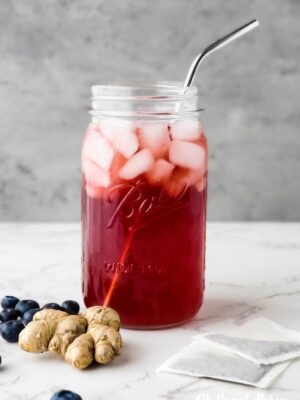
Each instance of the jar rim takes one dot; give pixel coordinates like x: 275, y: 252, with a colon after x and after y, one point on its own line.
x: 142, y: 90
x: 164, y: 99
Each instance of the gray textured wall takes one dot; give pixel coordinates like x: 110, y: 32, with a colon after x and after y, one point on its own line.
x: 53, y: 50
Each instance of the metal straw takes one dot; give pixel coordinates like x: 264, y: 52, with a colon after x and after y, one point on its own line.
x: 217, y: 45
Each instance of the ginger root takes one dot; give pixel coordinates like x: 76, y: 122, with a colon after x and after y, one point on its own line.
x: 80, y: 353
x: 107, y: 341
x: 67, y: 329
x: 36, y: 336
x: 103, y: 315
x: 81, y: 339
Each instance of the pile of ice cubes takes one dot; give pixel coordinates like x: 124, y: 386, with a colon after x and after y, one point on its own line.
x: 170, y: 155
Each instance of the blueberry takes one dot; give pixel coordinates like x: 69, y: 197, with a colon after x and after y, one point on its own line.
x: 9, y: 302
x: 66, y: 395
x: 9, y: 314
x: 53, y: 306
x: 25, y: 305
x: 70, y: 306
x: 10, y: 330
x: 28, y: 315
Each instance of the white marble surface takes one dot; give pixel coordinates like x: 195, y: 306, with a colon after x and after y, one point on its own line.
x: 252, y: 270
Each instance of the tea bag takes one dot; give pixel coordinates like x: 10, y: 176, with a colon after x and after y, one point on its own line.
x: 202, y: 359
x: 259, y: 340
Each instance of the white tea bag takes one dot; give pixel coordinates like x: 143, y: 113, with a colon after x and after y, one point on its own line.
x: 259, y: 340
x: 201, y: 359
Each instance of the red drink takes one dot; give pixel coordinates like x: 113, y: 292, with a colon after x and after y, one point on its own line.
x: 144, y: 218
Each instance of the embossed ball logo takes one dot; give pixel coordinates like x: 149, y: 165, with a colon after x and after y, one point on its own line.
x: 140, y: 208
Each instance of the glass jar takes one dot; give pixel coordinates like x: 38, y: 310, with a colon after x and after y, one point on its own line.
x: 144, y: 190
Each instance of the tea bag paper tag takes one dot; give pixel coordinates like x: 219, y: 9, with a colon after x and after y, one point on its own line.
x: 259, y: 340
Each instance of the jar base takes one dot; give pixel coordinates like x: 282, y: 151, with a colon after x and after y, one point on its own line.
x: 157, y: 327
x: 153, y: 328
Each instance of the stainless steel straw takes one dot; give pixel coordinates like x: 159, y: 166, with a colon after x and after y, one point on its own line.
x: 217, y: 45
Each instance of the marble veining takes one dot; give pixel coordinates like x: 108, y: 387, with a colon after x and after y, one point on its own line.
x: 252, y: 270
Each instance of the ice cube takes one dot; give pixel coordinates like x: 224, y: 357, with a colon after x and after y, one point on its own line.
x: 155, y: 137
x: 126, y: 143
x: 97, y: 149
x: 177, y: 184
x: 118, y: 162
x: 122, y: 135
x: 160, y: 172
x: 93, y: 126
x: 115, y: 127
x: 94, y: 192
x: 138, y: 164
x: 187, y: 155
x: 94, y: 175
x: 201, y: 184
x: 181, y: 179
x: 186, y: 130
x: 193, y: 175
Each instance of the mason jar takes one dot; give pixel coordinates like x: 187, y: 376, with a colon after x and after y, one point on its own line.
x: 144, y: 191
